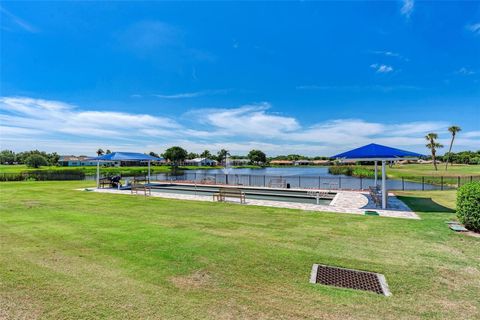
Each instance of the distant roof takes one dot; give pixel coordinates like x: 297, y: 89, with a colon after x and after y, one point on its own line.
x: 376, y: 151
x: 200, y: 159
x: 126, y: 156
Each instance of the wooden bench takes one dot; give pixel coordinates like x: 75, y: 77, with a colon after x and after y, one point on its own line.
x: 104, y: 182
x: 224, y: 193
x: 139, y: 184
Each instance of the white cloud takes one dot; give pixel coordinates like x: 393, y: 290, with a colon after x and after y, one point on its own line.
x: 381, y: 68
x: 18, y: 21
x: 390, y: 54
x: 27, y: 123
x: 191, y: 94
x: 475, y: 28
x: 407, y: 8
x: 465, y: 71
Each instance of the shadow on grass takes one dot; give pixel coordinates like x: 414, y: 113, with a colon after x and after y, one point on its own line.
x: 425, y: 205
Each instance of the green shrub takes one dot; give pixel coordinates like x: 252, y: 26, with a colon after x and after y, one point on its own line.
x: 468, y: 205
x: 36, y: 161
x: 355, y: 171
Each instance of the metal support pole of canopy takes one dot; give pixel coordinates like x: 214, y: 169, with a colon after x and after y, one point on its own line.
x: 376, y: 173
x: 384, y: 186
x: 149, y: 171
x: 98, y: 174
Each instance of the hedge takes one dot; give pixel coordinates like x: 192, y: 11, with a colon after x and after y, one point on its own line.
x: 468, y: 205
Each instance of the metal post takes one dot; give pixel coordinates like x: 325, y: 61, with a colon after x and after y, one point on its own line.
x: 458, y: 182
x: 339, y: 183
x: 403, y: 183
x: 98, y: 174
x: 148, y: 171
x: 376, y: 172
x: 441, y: 183
x: 299, y: 182
x: 361, y: 183
x: 264, y: 184
x: 384, y: 186
x: 423, y: 183
x: 319, y: 182
x: 250, y: 180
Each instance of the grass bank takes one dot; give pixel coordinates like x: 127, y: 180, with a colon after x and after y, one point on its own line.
x: 83, y: 255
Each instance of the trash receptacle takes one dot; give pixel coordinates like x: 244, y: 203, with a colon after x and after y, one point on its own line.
x: 288, y: 185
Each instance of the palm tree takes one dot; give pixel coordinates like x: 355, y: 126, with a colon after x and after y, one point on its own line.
x: 453, y: 130
x: 100, y: 152
x: 433, y: 146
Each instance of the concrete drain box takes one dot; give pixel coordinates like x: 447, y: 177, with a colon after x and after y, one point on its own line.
x: 349, y: 278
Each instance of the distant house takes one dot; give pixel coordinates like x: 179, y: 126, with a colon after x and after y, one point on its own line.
x: 238, y: 162
x: 82, y: 161
x: 322, y: 162
x: 200, y: 162
x: 303, y: 162
x: 281, y: 162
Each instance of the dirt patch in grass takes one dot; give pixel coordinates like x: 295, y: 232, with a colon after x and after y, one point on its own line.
x: 196, y: 280
x: 29, y: 204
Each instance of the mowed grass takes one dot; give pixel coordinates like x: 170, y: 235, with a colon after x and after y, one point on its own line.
x: 67, y: 254
x: 418, y: 170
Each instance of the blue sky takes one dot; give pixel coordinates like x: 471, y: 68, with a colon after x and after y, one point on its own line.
x: 313, y: 78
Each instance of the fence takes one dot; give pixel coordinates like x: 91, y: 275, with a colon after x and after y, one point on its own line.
x: 306, y: 182
x: 320, y: 182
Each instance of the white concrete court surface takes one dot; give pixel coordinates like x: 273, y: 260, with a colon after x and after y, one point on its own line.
x: 352, y: 202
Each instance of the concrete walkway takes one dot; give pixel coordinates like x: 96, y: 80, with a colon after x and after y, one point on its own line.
x: 344, y: 202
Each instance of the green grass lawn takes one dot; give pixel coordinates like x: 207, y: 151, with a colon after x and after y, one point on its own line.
x: 410, y: 170
x: 67, y: 254
x: 93, y: 169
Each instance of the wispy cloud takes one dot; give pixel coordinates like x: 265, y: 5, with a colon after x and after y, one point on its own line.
x: 381, y: 68
x: 26, y: 26
x: 27, y: 123
x: 465, y: 71
x: 407, y: 8
x: 191, y: 94
x: 390, y: 54
x: 475, y: 28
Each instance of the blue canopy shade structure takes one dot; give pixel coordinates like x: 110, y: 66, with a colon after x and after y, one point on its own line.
x: 124, y: 156
x: 376, y: 152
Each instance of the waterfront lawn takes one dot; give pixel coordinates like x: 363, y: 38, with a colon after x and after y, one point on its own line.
x: 418, y: 170
x: 93, y: 169
x: 67, y: 254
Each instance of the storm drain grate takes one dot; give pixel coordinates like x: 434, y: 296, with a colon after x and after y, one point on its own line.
x: 349, y: 278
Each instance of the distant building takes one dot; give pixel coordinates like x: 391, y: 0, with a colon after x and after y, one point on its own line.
x: 200, y: 162
x: 322, y: 162
x: 82, y: 161
x: 281, y: 162
x: 238, y: 162
x: 303, y: 162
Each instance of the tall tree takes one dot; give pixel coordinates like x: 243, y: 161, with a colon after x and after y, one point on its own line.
x: 222, y: 155
x: 100, y: 152
x: 192, y: 155
x: 433, y: 146
x: 257, y: 157
x: 108, y: 151
x: 175, y: 154
x: 206, y: 154
x: 153, y: 154
x: 453, y: 130
x: 7, y: 157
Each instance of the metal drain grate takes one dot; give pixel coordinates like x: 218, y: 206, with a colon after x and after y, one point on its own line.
x: 349, y: 278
